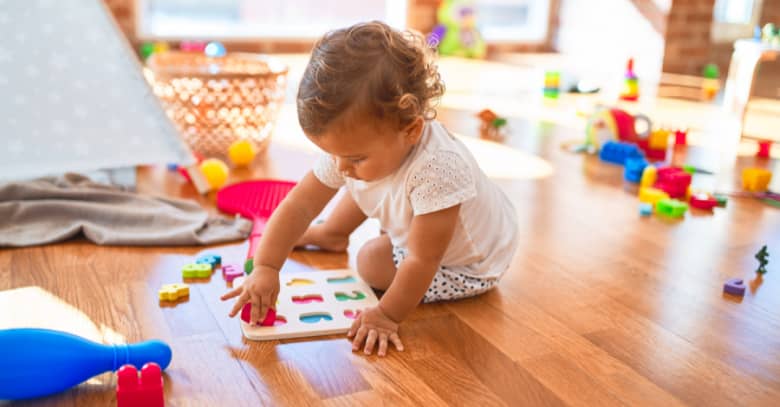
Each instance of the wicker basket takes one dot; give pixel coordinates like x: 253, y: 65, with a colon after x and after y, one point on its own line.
x: 216, y: 101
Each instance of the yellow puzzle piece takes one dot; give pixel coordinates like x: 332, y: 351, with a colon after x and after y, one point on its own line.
x: 172, y: 292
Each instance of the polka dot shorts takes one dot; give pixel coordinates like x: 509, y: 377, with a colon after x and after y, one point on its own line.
x: 448, y: 284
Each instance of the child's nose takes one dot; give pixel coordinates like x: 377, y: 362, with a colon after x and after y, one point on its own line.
x: 344, y: 165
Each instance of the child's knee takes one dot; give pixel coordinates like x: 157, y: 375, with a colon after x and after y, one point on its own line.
x: 375, y: 263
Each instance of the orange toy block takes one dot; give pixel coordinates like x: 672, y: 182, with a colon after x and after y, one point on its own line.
x: 756, y: 179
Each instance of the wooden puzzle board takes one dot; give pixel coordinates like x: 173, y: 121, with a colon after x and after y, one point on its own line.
x: 328, y: 284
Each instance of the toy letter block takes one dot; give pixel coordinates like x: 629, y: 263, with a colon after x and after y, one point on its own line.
x: 146, y: 391
x: 671, y: 207
x: 734, y: 286
x: 231, y: 271
x: 617, y: 152
x: 212, y: 259
x: 651, y: 195
x: 756, y: 179
x: 196, y: 270
x: 172, y: 292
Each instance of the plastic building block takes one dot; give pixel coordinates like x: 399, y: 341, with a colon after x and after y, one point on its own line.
x: 645, y: 209
x: 270, y: 316
x: 671, y: 207
x: 617, y: 152
x: 761, y: 257
x: 763, y: 149
x: 722, y: 200
x: 703, y: 201
x: 649, y: 175
x: 213, y: 260
x: 651, y: 195
x: 674, y: 181
x: 756, y: 179
x: 659, y: 139
x: 734, y: 286
x: 634, y: 169
x: 196, y: 270
x: 231, y: 271
x: 146, y: 391
x: 172, y: 292
x: 681, y: 137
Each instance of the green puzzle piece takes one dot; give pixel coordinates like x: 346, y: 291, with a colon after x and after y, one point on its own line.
x: 356, y: 295
x: 196, y: 270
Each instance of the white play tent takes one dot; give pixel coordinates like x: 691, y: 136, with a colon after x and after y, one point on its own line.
x: 72, y: 94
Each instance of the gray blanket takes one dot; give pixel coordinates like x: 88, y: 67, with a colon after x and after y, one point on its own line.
x: 53, y: 209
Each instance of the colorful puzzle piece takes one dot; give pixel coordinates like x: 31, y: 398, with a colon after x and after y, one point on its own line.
x: 230, y: 272
x: 196, y: 270
x: 343, y: 295
x: 146, y: 391
x: 270, y: 316
x: 734, y: 286
x: 213, y: 259
x: 172, y: 292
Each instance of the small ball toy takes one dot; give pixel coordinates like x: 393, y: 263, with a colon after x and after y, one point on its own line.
x: 215, y: 171
x: 242, y: 152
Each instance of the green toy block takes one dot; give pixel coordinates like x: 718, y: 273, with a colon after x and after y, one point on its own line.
x: 722, y: 200
x: 197, y: 270
x: 671, y: 207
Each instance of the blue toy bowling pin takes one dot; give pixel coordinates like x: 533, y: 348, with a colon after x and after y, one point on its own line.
x: 39, y: 362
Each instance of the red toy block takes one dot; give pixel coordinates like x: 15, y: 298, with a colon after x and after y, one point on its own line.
x: 681, y: 137
x: 650, y: 153
x: 763, y: 149
x: 673, y: 180
x: 703, y: 201
x: 146, y: 391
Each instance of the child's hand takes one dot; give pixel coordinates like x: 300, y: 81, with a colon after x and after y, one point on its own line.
x: 261, y: 288
x: 373, y: 325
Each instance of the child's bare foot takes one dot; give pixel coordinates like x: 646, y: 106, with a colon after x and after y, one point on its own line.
x: 317, y: 236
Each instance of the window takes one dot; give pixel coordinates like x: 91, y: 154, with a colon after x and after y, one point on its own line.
x: 513, y: 20
x: 251, y: 19
x: 734, y: 19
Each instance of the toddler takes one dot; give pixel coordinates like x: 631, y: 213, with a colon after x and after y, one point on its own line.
x: 366, y: 99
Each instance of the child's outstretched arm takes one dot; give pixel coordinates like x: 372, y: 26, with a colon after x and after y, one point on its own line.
x: 429, y: 237
x: 288, y: 222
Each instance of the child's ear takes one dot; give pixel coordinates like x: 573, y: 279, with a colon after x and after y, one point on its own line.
x: 413, y: 131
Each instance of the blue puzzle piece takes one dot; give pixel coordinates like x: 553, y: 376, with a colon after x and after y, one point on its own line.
x: 214, y: 260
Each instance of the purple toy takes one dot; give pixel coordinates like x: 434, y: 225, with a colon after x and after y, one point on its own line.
x: 734, y: 286
x: 230, y: 272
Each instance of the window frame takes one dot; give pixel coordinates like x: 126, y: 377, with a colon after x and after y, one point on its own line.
x: 725, y: 32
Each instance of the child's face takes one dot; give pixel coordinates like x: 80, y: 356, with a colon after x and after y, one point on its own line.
x: 368, y: 150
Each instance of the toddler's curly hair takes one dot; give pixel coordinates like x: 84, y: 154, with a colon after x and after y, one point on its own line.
x: 385, y: 73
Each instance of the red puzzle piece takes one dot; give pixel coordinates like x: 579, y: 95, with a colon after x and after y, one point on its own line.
x: 146, y: 391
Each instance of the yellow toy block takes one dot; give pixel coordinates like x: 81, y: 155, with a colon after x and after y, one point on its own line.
x: 649, y: 176
x: 659, y: 139
x: 756, y: 179
x: 651, y: 195
x: 172, y: 292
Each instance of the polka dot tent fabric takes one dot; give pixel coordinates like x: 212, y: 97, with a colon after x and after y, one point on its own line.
x: 74, y: 96
x: 449, y: 284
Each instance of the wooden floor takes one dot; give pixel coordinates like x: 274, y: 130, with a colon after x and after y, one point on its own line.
x: 600, y: 306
